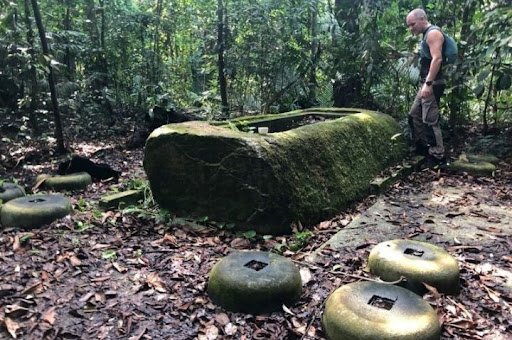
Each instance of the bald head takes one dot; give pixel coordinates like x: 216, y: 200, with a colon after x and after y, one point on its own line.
x: 418, y: 13
x: 417, y: 21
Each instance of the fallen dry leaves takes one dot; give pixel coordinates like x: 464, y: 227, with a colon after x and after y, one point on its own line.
x: 138, y: 276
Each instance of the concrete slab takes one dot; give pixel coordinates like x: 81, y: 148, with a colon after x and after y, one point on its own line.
x: 460, y: 215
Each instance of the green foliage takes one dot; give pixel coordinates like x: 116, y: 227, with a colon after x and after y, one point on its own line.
x: 137, y: 184
x: 138, y: 253
x: 82, y: 226
x: 132, y: 55
x: 250, y: 234
x: 300, y: 239
x: 26, y: 237
x: 109, y: 254
x: 224, y: 225
x: 143, y: 185
x: 81, y: 204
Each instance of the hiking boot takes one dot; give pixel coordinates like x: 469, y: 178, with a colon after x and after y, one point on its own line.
x: 436, y: 163
x: 419, y: 149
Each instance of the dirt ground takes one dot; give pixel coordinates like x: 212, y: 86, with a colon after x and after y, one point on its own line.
x: 140, y: 273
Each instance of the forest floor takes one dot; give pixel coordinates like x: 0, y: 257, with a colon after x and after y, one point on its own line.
x: 140, y: 273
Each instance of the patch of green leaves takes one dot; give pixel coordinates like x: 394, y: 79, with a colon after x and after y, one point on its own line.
x: 82, y: 226
x: 300, y: 240
x: 163, y: 216
x: 96, y: 213
x: 142, y: 185
x: 249, y: 234
x: 233, y: 126
x: 26, y: 237
x: 137, y: 184
x: 109, y: 254
x: 223, y: 225
x: 81, y: 204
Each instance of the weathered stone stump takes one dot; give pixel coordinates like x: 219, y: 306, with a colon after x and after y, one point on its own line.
x: 370, y: 310
x: 266, y: 181
x: 9, y: 191
x: 34, y: 211
x: 254, y: 282
x: 418, y: 262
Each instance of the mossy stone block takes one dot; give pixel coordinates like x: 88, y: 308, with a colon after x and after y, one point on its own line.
x: 120, y: 199
x: 475, y: 169
x: 266, y: 182
x: 475, y: 158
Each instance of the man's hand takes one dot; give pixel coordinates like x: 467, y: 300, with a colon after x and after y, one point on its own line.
x: 426, y: 91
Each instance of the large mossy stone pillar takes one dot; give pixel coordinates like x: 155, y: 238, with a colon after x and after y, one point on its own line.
x: 265, y: 182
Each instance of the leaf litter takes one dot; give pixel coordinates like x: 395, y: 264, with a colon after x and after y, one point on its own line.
x: 115, y: 274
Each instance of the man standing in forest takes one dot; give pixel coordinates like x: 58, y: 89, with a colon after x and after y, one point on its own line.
x: 424, y: 113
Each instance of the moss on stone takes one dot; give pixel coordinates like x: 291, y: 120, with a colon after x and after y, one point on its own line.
x: 264, y: 182
x: 328, y: 111
x: 475, y: 158
x: 120, y: 199
x: 476, y: 168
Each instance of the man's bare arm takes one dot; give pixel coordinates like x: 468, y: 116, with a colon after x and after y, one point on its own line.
x: 435, y: 42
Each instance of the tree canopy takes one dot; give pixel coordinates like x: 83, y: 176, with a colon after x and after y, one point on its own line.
x: 232, y: 57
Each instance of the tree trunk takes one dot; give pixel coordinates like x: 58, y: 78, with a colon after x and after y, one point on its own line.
x: 98, y: 63
x: 494, y: 103
x: 221, y: 62
x: 32, y: 72
x: 98, y: 67
x: 489, y: 96
x: 103, y: 26
x: 312, y: 81
x: 68, y: 57
x: 459, y: 91
x: 51, y: 80
x: 90, y: 14
x: 347, y: 85
x: 156, y: 43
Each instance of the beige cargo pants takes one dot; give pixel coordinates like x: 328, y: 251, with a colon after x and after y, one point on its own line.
x: 424, y: 114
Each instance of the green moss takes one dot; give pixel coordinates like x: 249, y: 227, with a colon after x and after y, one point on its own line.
x: 475, y: 158
x: 327, y: 165
x: 120, y: 199
x: 264, y: 182
x: 333, y: 111
x: 477, y: 168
